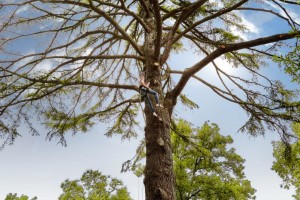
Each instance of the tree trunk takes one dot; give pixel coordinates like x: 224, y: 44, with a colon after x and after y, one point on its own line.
x: 159, y: 176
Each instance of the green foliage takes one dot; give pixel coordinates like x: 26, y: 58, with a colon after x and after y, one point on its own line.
x: 178, y: 47
x: 287, y: 162
x: 187, y: 102
x: 14, y: 196
x: 225, y: 36
x: 84, y: 1
x: 61, y: 121
x: 251, y: 61
x: 291, y: 63
x: 94, y: 186
x: 81, y: 69
x: 205, y: 167
x: 124, y: 123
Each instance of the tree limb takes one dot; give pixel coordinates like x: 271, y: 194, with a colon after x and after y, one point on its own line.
x: 189, y: 72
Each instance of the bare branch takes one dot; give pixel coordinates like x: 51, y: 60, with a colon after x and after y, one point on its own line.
x: 186, y: 12
x: 224, y: 49
x: 290, y: 2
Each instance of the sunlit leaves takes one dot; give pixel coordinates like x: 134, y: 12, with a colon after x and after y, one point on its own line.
x: 205, y: 167
x: 204, y: 164
x: 11, y: 196
x: 63, y: 122
x: 124, y: 123
x: 187, y: 102
x: 291, y: 63
x: 93, y: 185
x: 287, y: 162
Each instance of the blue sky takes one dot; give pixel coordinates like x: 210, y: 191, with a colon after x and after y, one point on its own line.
x: 36, y: 167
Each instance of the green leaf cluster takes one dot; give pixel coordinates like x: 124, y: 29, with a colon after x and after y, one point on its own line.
x: 63, y: 122
x: 287, y: 162
x: 205, y: 167
x: 14, y: 196
x: 93, y: 185
x: 124, y: 123
x: 187, y: 102
x: 291, y: 63
x: 252, y: 61
x: 225, y: 36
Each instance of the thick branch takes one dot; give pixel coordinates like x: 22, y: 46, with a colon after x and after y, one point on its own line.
x: 217, y: 14
x: 145, y: 8
x: 266, y: 11
x: 186, y: 12
x: 104, y: 15
x: 116, y: 25
x: 189, y: 72
x: 140, y: 20
x: 290, y: 2
x: 88, y: 83
x: 158, y: 28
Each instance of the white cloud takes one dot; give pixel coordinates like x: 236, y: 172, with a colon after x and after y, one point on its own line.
x: 170, y: 22
x: 22, y: 9
x: 87, y: 51
x: 23, y: 62
x: 43, y: 67
x: 217, y: 3
x: 252, y: 28
x: 292, y: 14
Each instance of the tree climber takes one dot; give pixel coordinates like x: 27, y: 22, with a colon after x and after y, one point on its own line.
x: 145, y: 90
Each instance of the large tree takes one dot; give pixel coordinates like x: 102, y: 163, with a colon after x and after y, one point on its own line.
x: 74, y: 63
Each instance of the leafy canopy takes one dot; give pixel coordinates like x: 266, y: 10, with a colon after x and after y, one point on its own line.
x: 93, y: 185
x: 14, y: 196
x: 72, y: 64
x: 205, y: 166
x: 287, y: 162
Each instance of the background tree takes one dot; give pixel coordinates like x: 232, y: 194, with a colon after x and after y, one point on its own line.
x: 94, y: 186
x: 287, y: 162
x: 74, y: 63
x: 14, y: 196
x: 205, y: 167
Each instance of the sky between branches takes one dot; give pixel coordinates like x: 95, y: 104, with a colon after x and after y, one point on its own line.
x: 25, y: 166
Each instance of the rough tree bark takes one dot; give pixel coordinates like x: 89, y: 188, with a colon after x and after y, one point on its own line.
x: 159, y: 176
